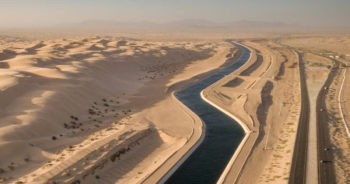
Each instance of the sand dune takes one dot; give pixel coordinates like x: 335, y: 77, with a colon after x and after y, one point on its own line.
x: 66, y: 100
x: 58, y: 96
x: 97, y: 109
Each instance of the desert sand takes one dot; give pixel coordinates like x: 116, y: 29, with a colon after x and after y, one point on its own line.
x: 75, y: 109
x: 101, y: 109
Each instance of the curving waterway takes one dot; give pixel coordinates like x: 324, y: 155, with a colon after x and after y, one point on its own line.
x: 222, y: 134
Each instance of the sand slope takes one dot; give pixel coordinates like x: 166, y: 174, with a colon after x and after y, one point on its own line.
x: 75, y: 109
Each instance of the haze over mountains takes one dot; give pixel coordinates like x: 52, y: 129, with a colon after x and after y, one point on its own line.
x: 182, y: 25
x: 187, y: 25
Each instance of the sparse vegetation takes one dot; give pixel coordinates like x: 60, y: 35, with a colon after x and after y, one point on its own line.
x: 293, y: 65
x: 76, y: 182
x: 11, y: 167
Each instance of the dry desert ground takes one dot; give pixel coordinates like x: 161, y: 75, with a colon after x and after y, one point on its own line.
x: 101, y: 109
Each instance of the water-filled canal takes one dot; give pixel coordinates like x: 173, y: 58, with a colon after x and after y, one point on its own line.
x: 222, y: 136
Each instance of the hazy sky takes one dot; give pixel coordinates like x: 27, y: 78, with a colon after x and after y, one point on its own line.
x: 51, y: 12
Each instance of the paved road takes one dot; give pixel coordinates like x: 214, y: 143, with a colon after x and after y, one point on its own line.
x: 298, y: 168
x: 326, y: 173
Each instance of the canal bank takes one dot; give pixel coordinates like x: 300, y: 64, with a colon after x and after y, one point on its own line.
x: 223, y: 134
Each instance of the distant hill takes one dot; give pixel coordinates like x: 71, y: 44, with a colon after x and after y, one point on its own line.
x: 189, y: 25
x: 182, y: 25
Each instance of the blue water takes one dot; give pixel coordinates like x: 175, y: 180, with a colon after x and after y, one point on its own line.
x: 222, y: 136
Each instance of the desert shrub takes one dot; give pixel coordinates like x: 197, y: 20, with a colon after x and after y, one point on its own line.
x: 76, y: 182
x: 11, y: 167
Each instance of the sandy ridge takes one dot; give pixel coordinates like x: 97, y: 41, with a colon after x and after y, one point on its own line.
x: 340, y: 106
x: 193, y: 142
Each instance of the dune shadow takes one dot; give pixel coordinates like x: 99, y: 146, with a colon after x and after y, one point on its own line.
x: 263, y: 108
x: 104, y: 42
x: 7, y: 54
x: 4, y: 65
x: 253, y: 66
x: 281, y: 68
x: 121, y: 43
x: 34, y: 50
x: 234, y: 82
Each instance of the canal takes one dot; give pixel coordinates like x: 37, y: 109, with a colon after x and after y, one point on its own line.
x: 222, y: 136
